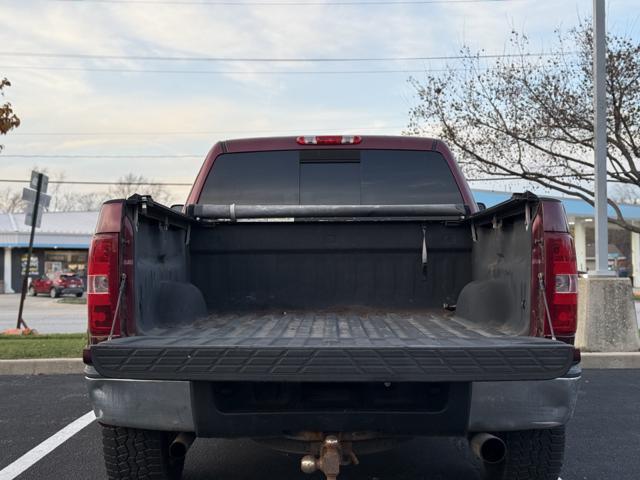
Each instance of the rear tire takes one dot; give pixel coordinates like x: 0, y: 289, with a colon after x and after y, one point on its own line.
x: 79, y: 294
x: 532, y: 454
x: 53, y: 293
x: 32, y: 292
x: 135, y: 454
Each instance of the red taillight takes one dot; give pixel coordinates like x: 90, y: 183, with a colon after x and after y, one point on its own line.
x: 103, y: 272
x: 102, y: 284
x: 561, y: 281
x: 329, y: 140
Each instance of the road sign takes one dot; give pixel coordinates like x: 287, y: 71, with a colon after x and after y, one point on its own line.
x: 28, y: 217
x: 39, y: 183
x: 34, y: 182
x: 29, y: 196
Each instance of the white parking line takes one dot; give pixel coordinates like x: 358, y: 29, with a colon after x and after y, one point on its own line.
x: 38, y: 452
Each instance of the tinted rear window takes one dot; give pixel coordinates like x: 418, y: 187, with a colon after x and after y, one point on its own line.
x: 333, y: 177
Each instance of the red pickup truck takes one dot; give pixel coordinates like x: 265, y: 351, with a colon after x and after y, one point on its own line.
x: 331, y: 297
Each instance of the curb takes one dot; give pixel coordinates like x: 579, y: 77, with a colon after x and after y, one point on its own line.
x: 610, y: 360
x: 41, y: 366
x: 58, y: 366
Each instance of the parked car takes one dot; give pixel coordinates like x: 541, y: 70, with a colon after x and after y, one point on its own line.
x: 331, y: 297
x: 58, y: 284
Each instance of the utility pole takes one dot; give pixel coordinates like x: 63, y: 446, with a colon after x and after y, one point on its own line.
x: 607, y: 320
x: 600, y: 138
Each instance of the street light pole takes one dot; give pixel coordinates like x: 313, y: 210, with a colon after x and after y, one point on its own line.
x: 606, y: 319
x: 600, y: 138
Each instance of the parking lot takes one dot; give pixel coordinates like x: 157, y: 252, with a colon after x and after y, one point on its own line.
x: 603, y: 439
x: 48, y: 315
x: 45, y: 314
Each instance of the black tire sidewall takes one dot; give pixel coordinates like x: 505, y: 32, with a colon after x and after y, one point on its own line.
x: 531, y: 455
x: 146, y: 451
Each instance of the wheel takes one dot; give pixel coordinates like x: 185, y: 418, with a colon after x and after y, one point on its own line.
x: 53, y: 293
x: 532, y: 454
x: 135, y: 454
x: 32, y: 291
x: 79, y: 294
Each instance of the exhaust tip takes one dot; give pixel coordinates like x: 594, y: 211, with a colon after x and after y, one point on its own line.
x: 177, y: 450
x: 489, y: 448
x: 181, y: 444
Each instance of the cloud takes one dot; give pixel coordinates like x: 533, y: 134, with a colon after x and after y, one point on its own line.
x: 234, y: 104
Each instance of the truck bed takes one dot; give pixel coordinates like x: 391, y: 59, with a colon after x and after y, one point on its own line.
x: 347, y: 345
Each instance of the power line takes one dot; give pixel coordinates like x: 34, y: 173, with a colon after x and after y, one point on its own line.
x: 69, y: 155
x: 90, y: 182
x: 179, y: 184
x: 225, y: 72
x: 531, y: 179
x: 491, y: 179
x: 87, y: 56
x: 218, y: 132
x: 285, y: 3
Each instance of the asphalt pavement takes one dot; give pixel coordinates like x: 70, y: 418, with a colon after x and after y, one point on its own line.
x: 603, y: 439
x: 44, y: 314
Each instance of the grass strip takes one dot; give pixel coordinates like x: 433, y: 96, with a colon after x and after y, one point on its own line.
x: 73, y: 300
x: 42, y: 346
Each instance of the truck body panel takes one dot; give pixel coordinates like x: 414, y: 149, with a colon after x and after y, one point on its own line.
x: 333, y: 288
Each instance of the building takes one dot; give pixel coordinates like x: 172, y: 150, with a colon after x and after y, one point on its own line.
x: 61, y: 244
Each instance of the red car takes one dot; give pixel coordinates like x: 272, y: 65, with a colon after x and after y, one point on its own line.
x: 60, y: 284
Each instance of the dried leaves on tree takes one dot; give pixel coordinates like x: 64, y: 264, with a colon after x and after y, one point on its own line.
x: 8, y: 119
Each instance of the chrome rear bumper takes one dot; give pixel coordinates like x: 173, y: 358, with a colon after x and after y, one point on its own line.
x: 495, y: 406
x: 527, y: 405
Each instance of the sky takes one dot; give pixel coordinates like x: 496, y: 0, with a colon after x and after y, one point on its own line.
x: 96, y: 99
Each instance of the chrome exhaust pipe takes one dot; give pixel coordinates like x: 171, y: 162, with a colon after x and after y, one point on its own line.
x: 181, y: 444
x: 488, y: 448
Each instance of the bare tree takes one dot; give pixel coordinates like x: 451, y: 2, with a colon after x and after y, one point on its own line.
x: 626, y: 194
x: 131, y: 183
x: 67, y: 200
x: 531, y: 117
x: 70, y: 201
x: 89, y: 201
x: 11, y: 201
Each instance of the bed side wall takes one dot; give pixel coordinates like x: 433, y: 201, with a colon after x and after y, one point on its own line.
x: 164, y: 293
x: 500, y: 290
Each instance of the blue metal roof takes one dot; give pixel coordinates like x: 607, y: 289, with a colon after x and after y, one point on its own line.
x: 59, y: 230
x: 573, y: 206
x: 55, y: 246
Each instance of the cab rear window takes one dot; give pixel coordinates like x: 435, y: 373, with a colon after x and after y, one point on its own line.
x: 331, y: 177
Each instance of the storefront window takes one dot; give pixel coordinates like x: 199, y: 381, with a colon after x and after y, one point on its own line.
x: 74, y: 261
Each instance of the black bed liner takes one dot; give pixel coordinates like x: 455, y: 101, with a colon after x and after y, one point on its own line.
x: 332, y: 346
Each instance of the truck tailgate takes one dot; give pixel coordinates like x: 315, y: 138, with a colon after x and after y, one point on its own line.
x: 332, y: 346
